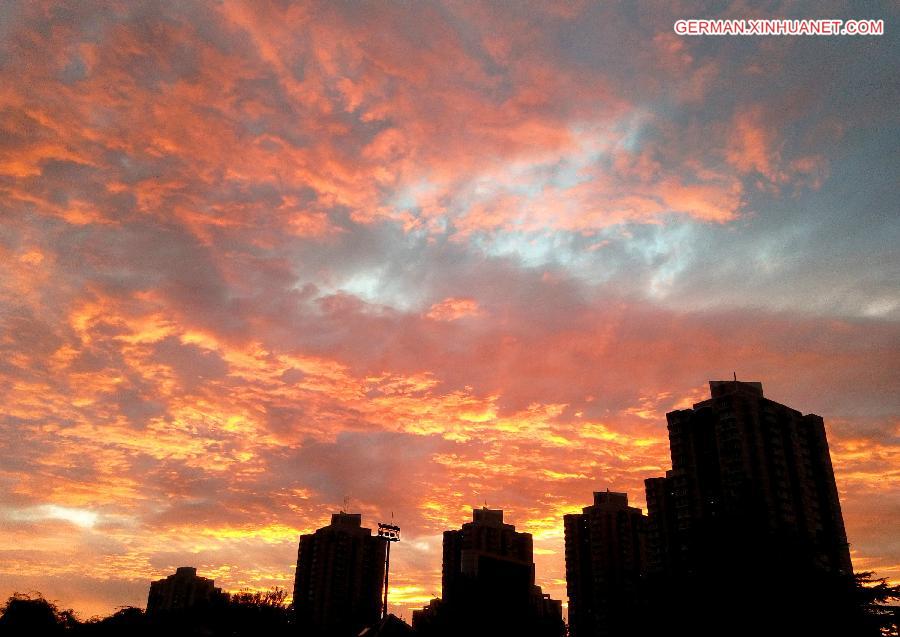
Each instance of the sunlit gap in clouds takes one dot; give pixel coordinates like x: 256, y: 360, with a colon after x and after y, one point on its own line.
x: 524, y: 181
x: 667, y: 253
x: 376, y: 285
x: 518, y: 216
x: 882, y: 307
x: 646, y: 258
x: 80, y: 517
x: 370, y: 285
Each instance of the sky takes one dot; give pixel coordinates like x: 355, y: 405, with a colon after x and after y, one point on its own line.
x: 258, y: 258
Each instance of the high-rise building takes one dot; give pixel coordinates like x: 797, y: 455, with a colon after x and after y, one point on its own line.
x: 662, y: 548
x: 743, y: 461
x: 488, y: 584
x: 183, y: 590
x: 340, y: 572
x: 489, y: 553
x: 748, y: 514
x: 605, y: 554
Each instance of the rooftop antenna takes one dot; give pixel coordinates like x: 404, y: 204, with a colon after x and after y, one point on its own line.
x: 346, y: 507
x: 735, y: 376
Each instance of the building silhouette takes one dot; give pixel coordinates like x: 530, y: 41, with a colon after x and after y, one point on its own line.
x: 181, y: 591
x: 338, y: 583
x: 605, y: 560
x: 488, y: 584
x: 740, y: 458
x: 750, y: 499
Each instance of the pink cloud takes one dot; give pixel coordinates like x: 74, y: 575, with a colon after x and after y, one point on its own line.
x: 451, y: 309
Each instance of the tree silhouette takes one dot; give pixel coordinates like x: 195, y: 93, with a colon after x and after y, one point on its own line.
x: 243, y: 614
x: 250, y: 613
x: 31, y: 614
x: 272, y: 598
x: 258, y: 612
x: 872, y: 597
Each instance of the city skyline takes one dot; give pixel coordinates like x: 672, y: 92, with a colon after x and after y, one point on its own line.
x: 259, y: 257
x: 635, y: 542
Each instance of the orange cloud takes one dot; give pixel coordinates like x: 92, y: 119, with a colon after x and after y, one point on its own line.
x: 451, y: 309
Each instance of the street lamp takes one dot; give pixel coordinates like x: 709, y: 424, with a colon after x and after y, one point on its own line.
x: 391, y: 533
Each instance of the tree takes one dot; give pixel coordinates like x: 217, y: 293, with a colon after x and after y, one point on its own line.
x: 127, y: 620
x: 872, y: 597
x: 31, y: 614
x: 272, y: 598
x: 258, y: 612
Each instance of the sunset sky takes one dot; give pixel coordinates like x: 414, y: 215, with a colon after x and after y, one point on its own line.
x: 257, y: 257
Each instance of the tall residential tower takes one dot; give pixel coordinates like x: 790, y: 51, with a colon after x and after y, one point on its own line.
x: 743, y: 462
x: 747, y: 523
x: 605, y: 555
x: 184, y: 590
x: 488, y: 585
x: 340, y: 571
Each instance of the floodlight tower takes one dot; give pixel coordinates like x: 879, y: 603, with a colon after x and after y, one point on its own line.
x: 391, y: 533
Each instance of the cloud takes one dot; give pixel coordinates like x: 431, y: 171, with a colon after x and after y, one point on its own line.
x: 451, y: 309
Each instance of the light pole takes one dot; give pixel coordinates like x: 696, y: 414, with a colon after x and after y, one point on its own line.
x: 391, y: 533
